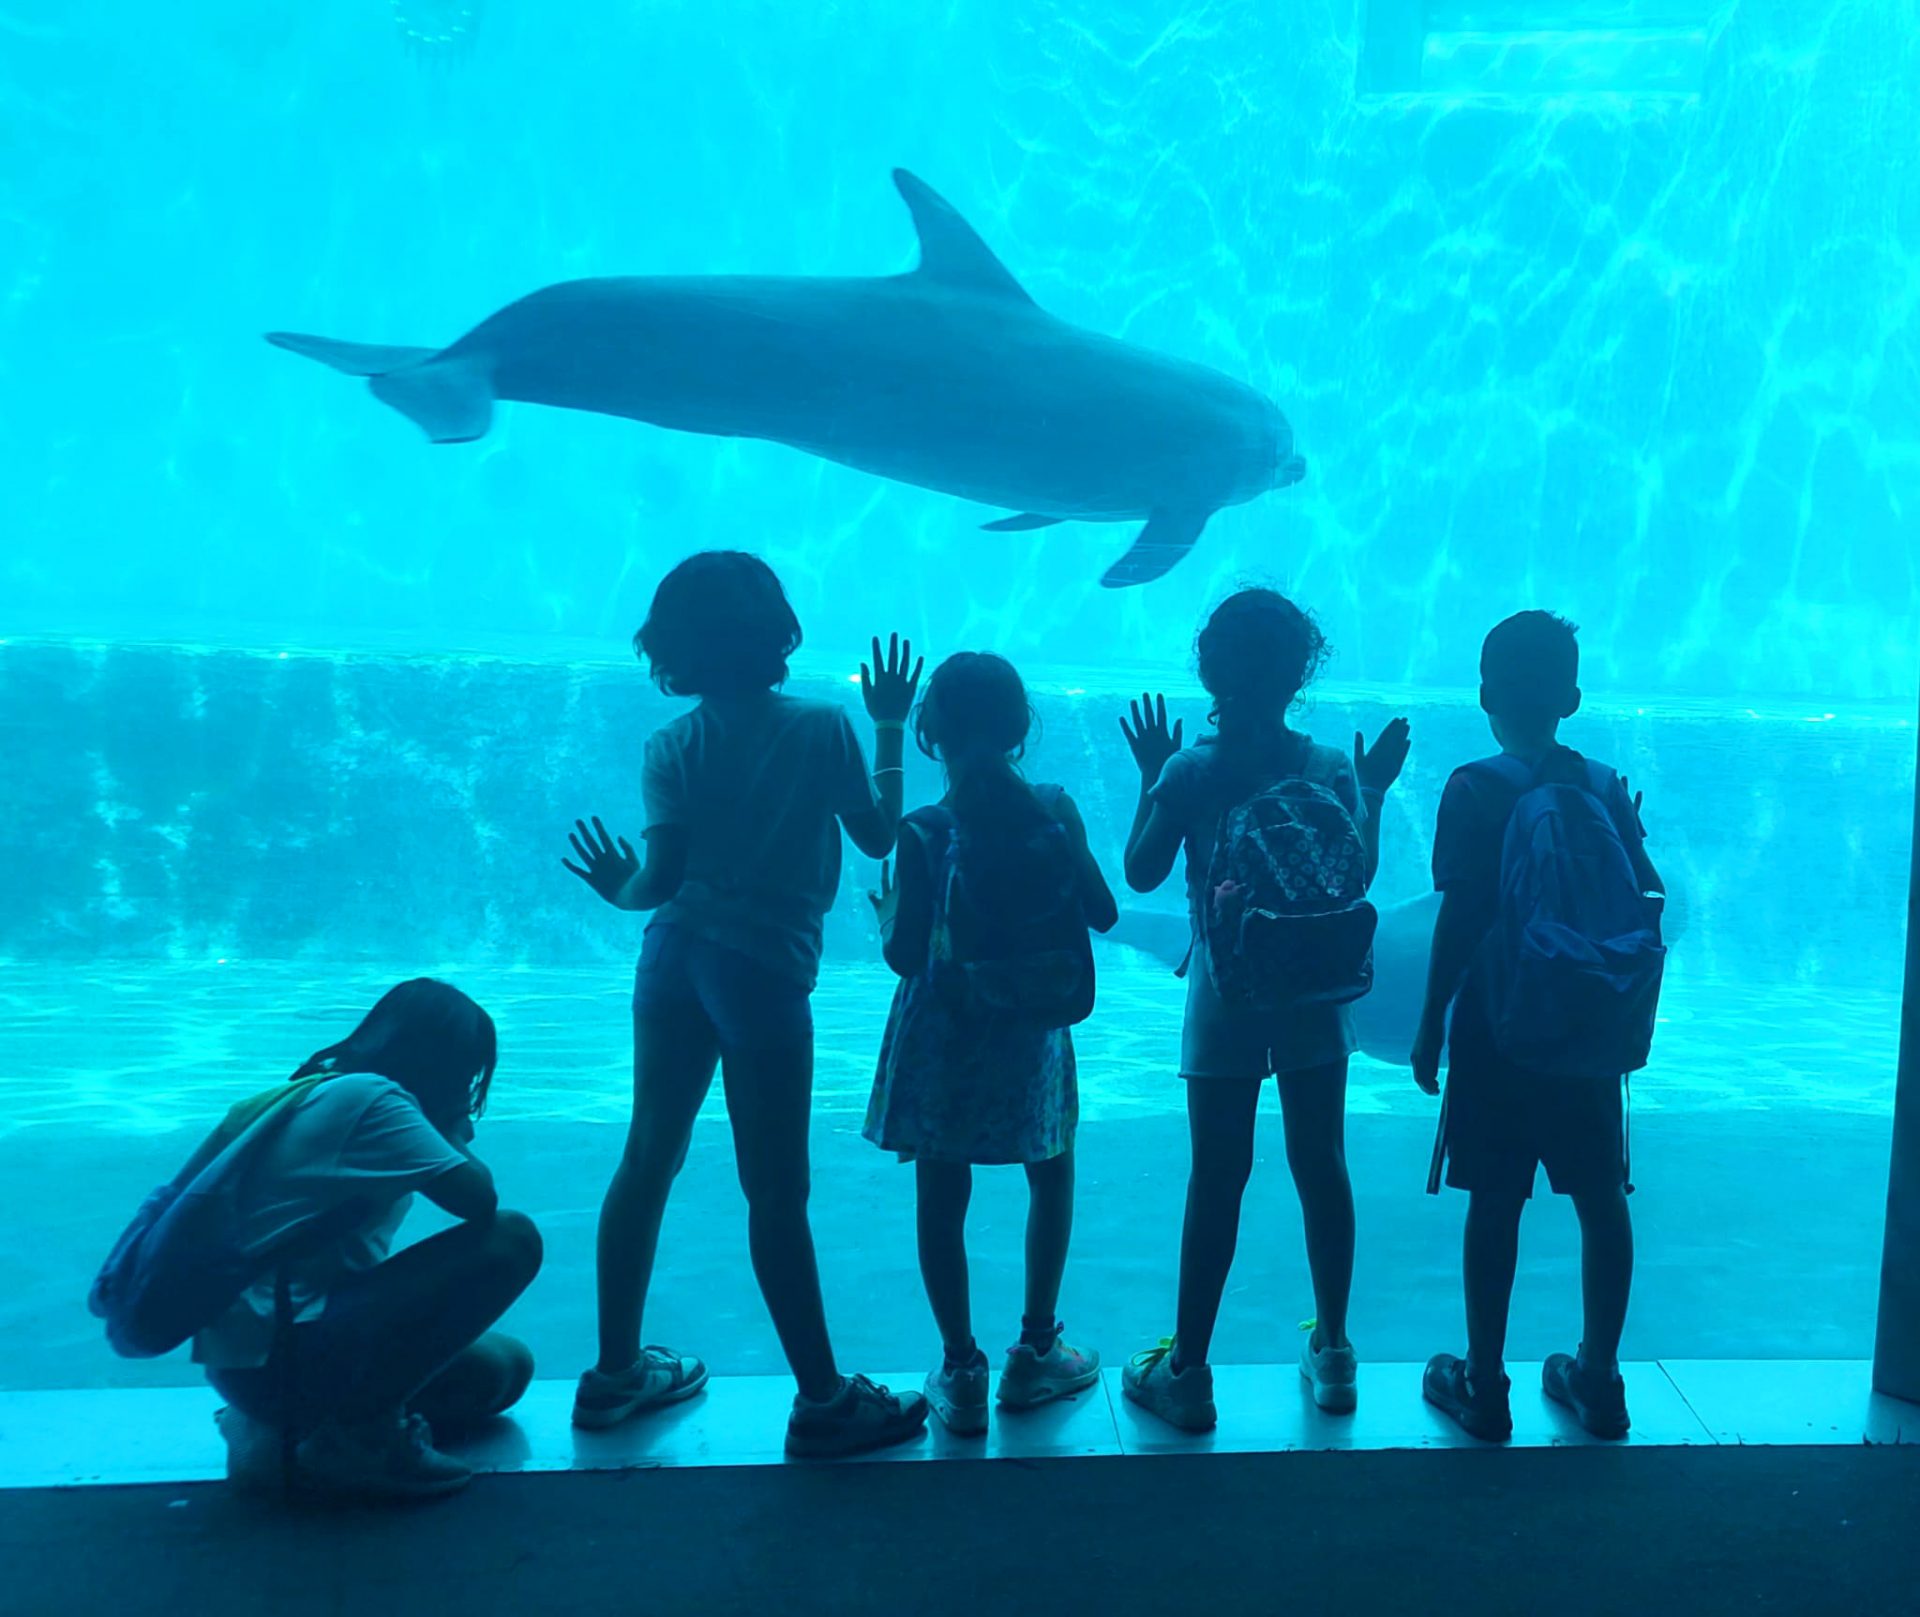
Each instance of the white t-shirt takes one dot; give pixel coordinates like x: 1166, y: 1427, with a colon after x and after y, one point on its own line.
x: 759, y: 783
x: 354, y: 1136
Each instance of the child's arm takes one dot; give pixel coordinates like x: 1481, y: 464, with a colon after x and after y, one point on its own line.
x: 1375, y: 769
x: 905, y: 908
x: 1154, y: 842
x: 1457, y: 932
x: 1096, y: 897
x: 887, y: 687
x: 613, y: 870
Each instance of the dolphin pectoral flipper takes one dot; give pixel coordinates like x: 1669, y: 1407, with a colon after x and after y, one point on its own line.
x: 951, y: 250
x: 450, y: 400
x: 355, y: 358
x: 1020, y: 524
x: 1167, y: 537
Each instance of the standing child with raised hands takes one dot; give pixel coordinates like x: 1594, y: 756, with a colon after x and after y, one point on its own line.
x: 987, y: 930
x: 1281, y: 839
x: 746, y: 795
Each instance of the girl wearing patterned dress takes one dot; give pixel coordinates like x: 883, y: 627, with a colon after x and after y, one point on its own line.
x: 962, y: 1083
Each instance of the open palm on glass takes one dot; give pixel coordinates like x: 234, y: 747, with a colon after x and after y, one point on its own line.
x: 607, y: 863
x: 1149, y: 738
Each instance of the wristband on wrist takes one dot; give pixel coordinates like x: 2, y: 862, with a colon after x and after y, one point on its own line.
x: 891, y: 769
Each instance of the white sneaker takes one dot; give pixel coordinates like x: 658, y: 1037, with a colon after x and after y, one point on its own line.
x: 1183, y: 1399
x: 1031, y: 1379
x: 654, y: 1380
x: 385, y: 1459
x: 958, y: 1394
x: 1332, y: 1372
x: 254, y: 1455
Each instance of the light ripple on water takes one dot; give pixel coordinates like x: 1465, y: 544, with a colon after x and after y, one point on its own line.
x: 144, y: 1046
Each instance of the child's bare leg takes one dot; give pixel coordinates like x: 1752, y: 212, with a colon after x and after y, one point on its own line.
x: 943, y: 1190
x: 1606, y: 1271
x: 673, y: 1061
x: 1220, y: 1119
x: 1314, y: 1102
x: 1492, y: 1252
x: 1049, y: 1234
x: 770, y: 1100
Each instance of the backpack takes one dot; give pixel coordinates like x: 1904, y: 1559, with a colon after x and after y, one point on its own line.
x: 1009, y: 931
x: 180, y: 1264
x: 1574, y: 961
x: 1285, y: 918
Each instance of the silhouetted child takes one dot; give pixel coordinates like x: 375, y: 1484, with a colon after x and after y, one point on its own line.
x: 1547, y: 949
x: 987, y: 929
x: 376, y: 1351
x: 1281, y: 839
x: 746, y: 795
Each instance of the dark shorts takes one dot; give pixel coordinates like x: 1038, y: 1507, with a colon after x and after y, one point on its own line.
x: 329, y: 1360
x: 1501, y: 1124
x: 746, y: 1004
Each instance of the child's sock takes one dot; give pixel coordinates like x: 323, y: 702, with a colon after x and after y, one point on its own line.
x: 1040, y: 1335
x: 958, y: 1358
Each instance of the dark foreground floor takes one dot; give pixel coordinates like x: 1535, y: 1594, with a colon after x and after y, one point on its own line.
x: 1704, y: 1532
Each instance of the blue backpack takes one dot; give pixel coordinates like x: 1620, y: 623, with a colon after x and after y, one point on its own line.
x: 180, y: 1264
x: 1009, y: 930
x: 1573, y: 964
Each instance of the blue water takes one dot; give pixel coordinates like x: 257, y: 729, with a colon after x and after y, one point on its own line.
x: 1546, y: 336
x: 1607, y: 306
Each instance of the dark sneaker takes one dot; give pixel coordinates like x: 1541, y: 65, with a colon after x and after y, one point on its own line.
x: 860, y: 1418
x: 1598, y: 1403
x: 385, y: 1459
x: 1480, y: 1407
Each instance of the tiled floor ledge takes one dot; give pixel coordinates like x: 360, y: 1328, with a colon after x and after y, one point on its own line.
x: 118, y: 1436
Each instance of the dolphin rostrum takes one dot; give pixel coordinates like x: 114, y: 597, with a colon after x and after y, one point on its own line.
x: 949, y: 377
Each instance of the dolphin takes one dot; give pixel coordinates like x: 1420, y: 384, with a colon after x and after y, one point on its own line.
x: 949, y: 377
x: 1386, y: 1019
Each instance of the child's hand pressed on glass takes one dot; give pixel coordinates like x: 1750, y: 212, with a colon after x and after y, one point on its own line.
x: 606, y: 865
x: 1378, y: 767
x: 1148, y: 737
x: 887, y: 686
x: 886, y: 900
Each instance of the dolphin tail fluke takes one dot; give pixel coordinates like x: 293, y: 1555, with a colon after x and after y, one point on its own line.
x: 449, y: 399
x: 1020, y: 524
x: 1167, y: 537
x: 355, y: 358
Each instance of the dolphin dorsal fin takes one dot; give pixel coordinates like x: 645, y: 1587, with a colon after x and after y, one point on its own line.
x: 951, y: 250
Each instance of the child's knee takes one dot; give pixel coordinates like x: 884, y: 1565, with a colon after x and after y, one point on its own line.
x: 516, y: 1243
x: 1316, y: 1161
x: 776, y: 1188
x: 513, y: 1371
x: 1222, y: 1169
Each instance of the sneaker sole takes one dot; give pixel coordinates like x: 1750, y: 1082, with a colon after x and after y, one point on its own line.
x: 1032, y: 1395
x: 961, y: 1422
x: 805, y: 1449
x: 1606, y: 1432
x: 1200, y: 1423
x: 1331, y: 1400
x: 1472, y: 1427
x: 601, y: 1420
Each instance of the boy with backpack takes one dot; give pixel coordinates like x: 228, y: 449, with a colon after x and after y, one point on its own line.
x: 1547, y: 949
